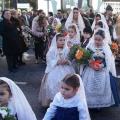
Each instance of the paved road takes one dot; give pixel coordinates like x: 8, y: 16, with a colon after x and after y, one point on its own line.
x: 32, y: 74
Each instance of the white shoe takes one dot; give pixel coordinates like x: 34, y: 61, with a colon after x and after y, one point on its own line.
x: 118, y: 76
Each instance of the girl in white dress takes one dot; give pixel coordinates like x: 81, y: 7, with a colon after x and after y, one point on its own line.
x: 13, y: 98
x: 70, y: 102
x: 73, y: 36
x: 58, y: 66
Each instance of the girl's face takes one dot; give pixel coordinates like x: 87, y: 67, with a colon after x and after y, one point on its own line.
x: 55, y: 22
x: 98, y: 18
x: 44, y: 21
x: 61, y: 42
x: 67, y: 91
x: 75, y: 14
x: 71, y: 32
x: 98, y: 40
x: 86, y: 35
x: 4, y: 96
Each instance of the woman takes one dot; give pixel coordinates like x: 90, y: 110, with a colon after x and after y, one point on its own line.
x: 18, y: 23
x: 11, y: 40
x: 39, y: 32
x: 98, y: 80
x: 75, y: 17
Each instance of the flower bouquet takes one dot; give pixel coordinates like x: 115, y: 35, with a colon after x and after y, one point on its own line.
x: 79, y: 55
x: 5, y: 114
x: 61, y: 28
x: 114, y: 48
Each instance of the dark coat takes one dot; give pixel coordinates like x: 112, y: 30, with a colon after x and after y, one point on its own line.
x: 11, y: 38
x: 18, y: 24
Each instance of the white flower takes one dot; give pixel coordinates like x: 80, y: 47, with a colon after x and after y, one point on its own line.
x: 4, y: 113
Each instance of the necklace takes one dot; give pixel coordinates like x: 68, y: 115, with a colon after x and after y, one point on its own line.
x: 60, y: 53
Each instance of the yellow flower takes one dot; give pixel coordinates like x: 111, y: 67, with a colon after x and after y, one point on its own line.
x: 79, y: 54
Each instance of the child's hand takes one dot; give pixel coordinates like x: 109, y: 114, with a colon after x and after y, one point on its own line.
x: 97, y: 66
x: 63, y: 62
x: 59, y: 62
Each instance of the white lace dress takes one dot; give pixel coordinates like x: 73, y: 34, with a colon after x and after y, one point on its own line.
x: 53, y: 75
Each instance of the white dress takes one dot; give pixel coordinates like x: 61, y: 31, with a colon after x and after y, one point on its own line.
x: 59, y: 101
x: 53, y: 75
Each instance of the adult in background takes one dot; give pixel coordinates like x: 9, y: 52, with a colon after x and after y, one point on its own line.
x: 39, y: 31
x: 75, y: 17
x: 11, y: 41
x: 18, y: 23
x: 35, y: 13
x: 60, y: 16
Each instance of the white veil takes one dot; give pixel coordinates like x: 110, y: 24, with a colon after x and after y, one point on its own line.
x: 110, y: 58
x: 81, y: 92
x: 53, y: 48
x: 104, y: 21
x: 58, y: 22
x: 81, y: 23
x: 18, y: 102
x: 77, y: 36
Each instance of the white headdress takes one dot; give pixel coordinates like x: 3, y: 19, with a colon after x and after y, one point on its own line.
x: 18, y: 102
x: 53, y: 48
x: 81, y: 92
x: 103, y: 19
x: 109, y: 56
x: 69, y: 21
x: 58, y: 22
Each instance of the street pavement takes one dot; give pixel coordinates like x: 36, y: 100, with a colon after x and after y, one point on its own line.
x: 29, y: 77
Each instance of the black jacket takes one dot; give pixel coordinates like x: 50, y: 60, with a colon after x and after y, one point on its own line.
x: 11, y: 38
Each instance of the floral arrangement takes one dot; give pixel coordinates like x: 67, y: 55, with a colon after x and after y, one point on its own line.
x: 5, y: 114
x: 61, y: 28
x: 96, y: 63
x: 79, y: 55
x: 114, y: 47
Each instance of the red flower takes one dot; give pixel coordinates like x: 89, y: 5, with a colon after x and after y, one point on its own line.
x: 65, y: 33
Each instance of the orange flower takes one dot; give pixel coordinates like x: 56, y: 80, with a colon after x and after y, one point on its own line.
x: 65, y: 33
x: 114, y: 46
x: 79, y: 54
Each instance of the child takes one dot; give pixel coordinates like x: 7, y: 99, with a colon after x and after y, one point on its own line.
x: 98, y: 80
x: 57, y: 67
x: 73, y: 36
x: 68, y: 104
x: 87, y: 33
x: 13, y: 98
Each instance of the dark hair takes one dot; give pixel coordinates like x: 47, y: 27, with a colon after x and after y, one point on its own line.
x: 92, y: 15
x: 3, y: 13
x: 5, y: 85
x: 40, y: 20
x: 101, y: 33
x: 59, y: 35
x: 72, y: 80
x: 98, y: 15
x: 75, y: 8
x: 100, y: 24
x: 39, y: 11
x: 59, y: 10
x: 73, y: 27
x: 50, y: 13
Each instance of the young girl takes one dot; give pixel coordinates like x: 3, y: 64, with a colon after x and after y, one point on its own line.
x: 98, y: 80
x: 57, y: 67
x: 13, y: 98
x: 68, y: 104
x: 73, y: 36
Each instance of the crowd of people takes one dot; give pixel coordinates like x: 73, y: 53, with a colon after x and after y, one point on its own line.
x: 68, y: 91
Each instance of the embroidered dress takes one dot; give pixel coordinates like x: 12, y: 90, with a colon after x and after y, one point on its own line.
x: 67, y: 109
x: 100, y: 86
x: 54, y: 73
